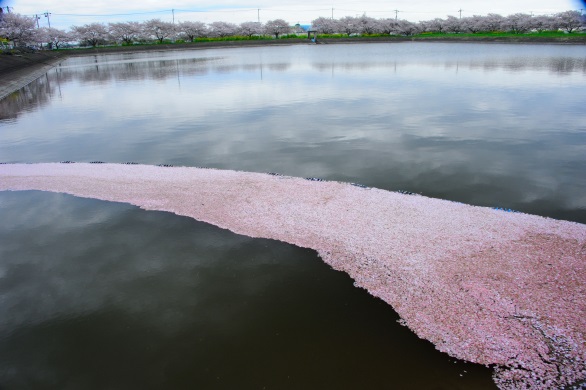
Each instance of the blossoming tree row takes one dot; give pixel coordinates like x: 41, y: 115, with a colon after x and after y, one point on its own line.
x: 22, y: 30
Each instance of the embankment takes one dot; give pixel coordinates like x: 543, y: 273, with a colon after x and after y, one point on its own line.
x: 20, y: 68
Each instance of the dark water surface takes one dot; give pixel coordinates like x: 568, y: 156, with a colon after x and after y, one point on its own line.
x: 101, y: 295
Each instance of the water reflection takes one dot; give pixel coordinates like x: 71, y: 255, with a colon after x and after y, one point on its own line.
x: 121, y: 68
x: 563, y: 66
x: 31, y: 97
x: 136, y: 71
x: 107, y: 69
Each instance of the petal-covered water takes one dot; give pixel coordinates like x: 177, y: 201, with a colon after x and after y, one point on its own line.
x: 484, y: 285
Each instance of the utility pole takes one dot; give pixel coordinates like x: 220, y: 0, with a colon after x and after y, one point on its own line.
x: 396, y: 14
x: 258, y: 15
x: 332, y: 13
x: 48, y: 16
x: 460, y: 11
x: 173, y: 12
x: 37, y: 17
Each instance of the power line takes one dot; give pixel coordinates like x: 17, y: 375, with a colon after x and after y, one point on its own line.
x: 198, y: 11
x: 209, y: 11
x: 127, y: 14
x: 331, y: 10
x: 217, y: 10
x: 296, y: 10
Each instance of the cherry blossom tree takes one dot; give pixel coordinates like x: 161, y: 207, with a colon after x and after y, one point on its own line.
x: 453, y: 24
x: 54, y: 36
x: 472, y: 24
x: 388, y: 26
x: 367, y: 25
x: 277, y: 27
x: 93, y: 34
x: 569, y: 21
x: 249, y: 29
x: 349, y: 25
x: 192, y: 30
x: 436, y: 25
x: 158, y: 29
x: 493, y: 22
x: 518, y: 23
x: 18, y: 29
x: 405, y: 27
x: 126, y: 32
x: 325, y: 25
x: 542, y: 22
x: 223, y: 29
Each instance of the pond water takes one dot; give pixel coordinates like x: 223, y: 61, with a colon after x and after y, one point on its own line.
x: 101, y: 295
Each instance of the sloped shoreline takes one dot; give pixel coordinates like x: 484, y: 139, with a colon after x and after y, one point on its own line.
x: 18, y: 70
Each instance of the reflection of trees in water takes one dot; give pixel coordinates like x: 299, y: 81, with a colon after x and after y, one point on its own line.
x: 36, y: 94
x: 561, y: 65
x: 103, y: 73
x: 251, y: 67
x: 568, y: 65
x: 162, y: 69
x: 558, y: 65
x: 279, y: 67
x: 276, y: 67
x: 39, y: 92
x: 226, y: 68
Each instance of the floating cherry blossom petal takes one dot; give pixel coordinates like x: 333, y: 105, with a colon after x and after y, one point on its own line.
x: 484, y: 285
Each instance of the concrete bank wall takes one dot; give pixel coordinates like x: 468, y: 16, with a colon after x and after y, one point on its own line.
x: 18, y: 70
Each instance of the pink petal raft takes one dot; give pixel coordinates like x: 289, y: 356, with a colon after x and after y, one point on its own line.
x: 483, y: 285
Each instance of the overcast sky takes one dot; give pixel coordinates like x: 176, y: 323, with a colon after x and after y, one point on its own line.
x: 65, y: 13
